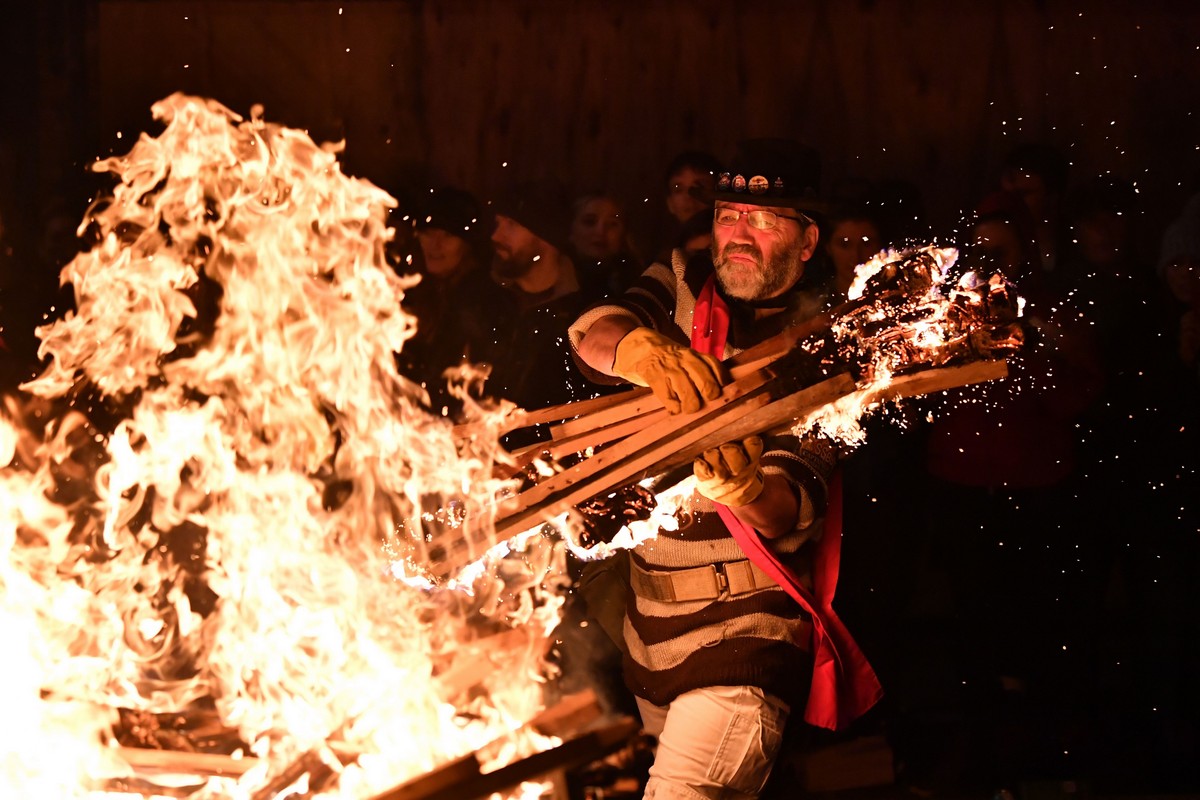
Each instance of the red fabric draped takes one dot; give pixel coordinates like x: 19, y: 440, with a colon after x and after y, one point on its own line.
x: 844, y: 686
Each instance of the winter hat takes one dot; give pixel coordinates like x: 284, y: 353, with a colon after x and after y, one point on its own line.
x: 541, y: 206
x: 455, y: 211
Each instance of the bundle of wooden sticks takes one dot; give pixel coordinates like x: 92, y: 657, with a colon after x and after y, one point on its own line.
x: 617, y: 440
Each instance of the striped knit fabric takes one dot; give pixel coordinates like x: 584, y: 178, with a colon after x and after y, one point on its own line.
x: 760, y: 638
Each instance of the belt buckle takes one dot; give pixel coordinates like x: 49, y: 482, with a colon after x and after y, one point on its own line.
x: 722, y: 579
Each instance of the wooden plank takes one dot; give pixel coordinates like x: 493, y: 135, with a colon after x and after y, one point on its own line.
x: 940, y: 379
x: 591, y: 437
x: 733, y: 393
x: 619, y: 463
x: 564, y: 411
x: 471, y: 662
x: 645, y: 402
x: 173, y: 761
x: 571, y: 714
x: 770, y: 350
x: 780, y: 414
x: 567, y: 716
x: 462, y: 785
x: 659, y: 450
x: 322, y: 766
x: 437, y: 782
x: 601, y: 411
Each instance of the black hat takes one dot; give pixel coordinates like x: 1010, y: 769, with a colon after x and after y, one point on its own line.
x: 454, y: 211
x: 541, y: 206
x: 773, y: 172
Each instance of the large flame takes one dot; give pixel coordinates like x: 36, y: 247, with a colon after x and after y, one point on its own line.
x: 208, y: 522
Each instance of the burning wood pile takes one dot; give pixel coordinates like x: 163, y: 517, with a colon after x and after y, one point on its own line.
x: 213, y: 498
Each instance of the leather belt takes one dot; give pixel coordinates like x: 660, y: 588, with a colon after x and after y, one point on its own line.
x: 699, y: 583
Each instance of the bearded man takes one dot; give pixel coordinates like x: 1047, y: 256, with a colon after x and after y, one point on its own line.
x: 718, y: 627
x: 537, y: 283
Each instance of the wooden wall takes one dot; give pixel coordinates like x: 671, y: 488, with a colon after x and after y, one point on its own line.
x: 602, y: 93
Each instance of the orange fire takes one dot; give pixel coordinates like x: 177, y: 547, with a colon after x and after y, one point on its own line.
x: 223, y: 445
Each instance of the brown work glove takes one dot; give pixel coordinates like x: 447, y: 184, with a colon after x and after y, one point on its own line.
x: 679, y: 376
x: 730, y: 474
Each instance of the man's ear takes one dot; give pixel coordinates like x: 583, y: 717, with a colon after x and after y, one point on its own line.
x: 811, y: 236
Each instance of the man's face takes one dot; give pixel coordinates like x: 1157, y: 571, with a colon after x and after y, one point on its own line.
x: 754, y: 264
x: 689, y: 192
x: 517, y: 248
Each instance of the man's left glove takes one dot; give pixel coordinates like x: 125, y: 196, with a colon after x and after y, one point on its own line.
x: 731, y: 474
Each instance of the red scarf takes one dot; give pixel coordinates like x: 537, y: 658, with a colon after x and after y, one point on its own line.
x: 844, y: 686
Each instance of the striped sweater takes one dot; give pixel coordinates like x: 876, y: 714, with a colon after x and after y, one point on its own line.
x: 759, y: 638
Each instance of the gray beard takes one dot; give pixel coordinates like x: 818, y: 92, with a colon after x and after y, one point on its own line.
x: 768, y: 280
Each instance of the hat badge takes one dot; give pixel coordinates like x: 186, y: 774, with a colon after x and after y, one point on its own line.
x: 739, y: 183
x: 759, y: 185
x: 723, y: 182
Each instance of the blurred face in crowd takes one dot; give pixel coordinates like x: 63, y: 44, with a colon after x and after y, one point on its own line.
x: 1032, y: 189
x: 517, y: 248
x: 759, y: 252
x: 1102, y: 237
x: 852, y: 242
x: 698, y: 244
x: 689, y: 192
x: 997, y: 242
x: 598, y: 230
x: 1183, y: 279
x: 444, y: 252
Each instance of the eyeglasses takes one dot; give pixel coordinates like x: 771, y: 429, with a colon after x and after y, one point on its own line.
x: 762, y: 220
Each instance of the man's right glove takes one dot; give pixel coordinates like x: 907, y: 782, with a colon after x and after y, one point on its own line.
x: 679, y: 376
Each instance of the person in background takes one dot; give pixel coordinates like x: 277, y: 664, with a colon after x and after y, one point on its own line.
x: 601, y: 246
x: 696, y: 235
x: 689, y: 182
x: 458, y: 318
x: 1037, y: 173
x: 1179, y: 269
x: 854, y: 236
x: 1108, y: 271
x: 533, y: 367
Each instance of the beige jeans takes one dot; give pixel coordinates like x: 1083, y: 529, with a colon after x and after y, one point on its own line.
x: 716, y: 743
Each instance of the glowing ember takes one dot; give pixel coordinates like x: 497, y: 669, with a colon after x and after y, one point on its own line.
x: 229, y: 448
x: 899, y: 319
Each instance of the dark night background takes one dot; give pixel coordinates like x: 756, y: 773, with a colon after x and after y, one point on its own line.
x: 928, y: 95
